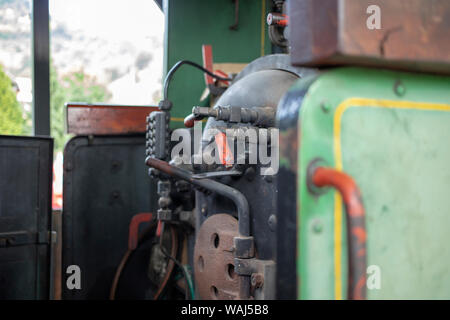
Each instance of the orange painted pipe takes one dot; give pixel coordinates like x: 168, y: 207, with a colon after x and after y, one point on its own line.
x: 356, y: 229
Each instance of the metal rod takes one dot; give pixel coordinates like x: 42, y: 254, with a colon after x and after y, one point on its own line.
x: 234, y: 195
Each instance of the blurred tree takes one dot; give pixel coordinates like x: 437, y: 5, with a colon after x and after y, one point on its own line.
x: 58, y: 97
x: 75, y: 87
x: 11, y: 119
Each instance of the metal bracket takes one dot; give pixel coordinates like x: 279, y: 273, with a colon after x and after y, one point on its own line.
x: 262, y: 274
x: 19, y: 238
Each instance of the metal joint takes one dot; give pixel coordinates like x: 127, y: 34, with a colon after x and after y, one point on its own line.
x: 262, y: 276
x: 244, y: 247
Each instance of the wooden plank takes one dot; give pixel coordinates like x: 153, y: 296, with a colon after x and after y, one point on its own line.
x: 106, y: 119
x: 413, y: 34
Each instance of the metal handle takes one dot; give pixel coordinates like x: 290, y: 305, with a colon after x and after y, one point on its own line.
x: 189, y: 121
x: 356, y: 229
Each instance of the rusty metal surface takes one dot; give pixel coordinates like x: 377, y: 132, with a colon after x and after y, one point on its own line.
x: 106, y: 119
x: 413, y: 34
x: 214, y: 260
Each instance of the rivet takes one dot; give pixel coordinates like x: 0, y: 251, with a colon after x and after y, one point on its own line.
x: 399, y: 88
x: 250, y: 173
x: 317, y: 226
x: 325, y: 106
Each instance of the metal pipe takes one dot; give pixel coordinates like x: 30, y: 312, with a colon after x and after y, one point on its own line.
x: 179, y: 64
x: 356, y: 229
x: 234, y: 195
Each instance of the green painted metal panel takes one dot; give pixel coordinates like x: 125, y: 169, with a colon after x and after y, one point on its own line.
x: 390, y: 131
x: 190, y: 24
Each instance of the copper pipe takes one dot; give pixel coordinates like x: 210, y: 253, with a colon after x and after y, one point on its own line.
x: 112, y: 293
x: 170, y: 264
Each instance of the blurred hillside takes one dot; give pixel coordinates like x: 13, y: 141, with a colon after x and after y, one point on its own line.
x: 130, y: 69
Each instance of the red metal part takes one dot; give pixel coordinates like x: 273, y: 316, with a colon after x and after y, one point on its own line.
x: 225, y: 154
x: 208, y: 62
x: 278, y: 19
x: 106, y: 119
x: 133, y: 234
x: 189, y: 121
x: 356, y: 229
x: 223, y: 75
x: 159, y: 228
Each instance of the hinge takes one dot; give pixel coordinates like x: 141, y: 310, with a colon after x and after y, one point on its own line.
x: 20, y: 238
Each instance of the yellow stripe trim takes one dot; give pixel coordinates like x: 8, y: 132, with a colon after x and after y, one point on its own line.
x: 359, y: 102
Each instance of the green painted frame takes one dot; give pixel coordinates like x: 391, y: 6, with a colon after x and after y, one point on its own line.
x: 321, y: 264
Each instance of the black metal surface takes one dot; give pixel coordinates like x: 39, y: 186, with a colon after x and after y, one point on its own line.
x: 41, y: 68
x: 279, y: 61
x: 105, y: 184
x: 25, y: 211
x: 286, y: 228
x: 262, y: 88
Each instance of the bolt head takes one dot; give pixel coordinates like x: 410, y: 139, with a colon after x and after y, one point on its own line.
x: 165, y: 105
x: 257, y: 280
x: 399, y: 88
x: 272, y: 222
x: 325, y: 106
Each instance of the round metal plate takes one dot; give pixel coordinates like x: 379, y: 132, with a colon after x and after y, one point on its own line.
x: 214, y: 260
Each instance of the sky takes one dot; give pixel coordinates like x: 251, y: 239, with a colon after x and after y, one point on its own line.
x: 107, y: 34
x: 131, y: 23
x: 111, y: 19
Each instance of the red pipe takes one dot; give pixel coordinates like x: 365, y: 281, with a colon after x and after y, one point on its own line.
x: 189, y: 121
x: 133, y: 233
x: 356, y: 229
